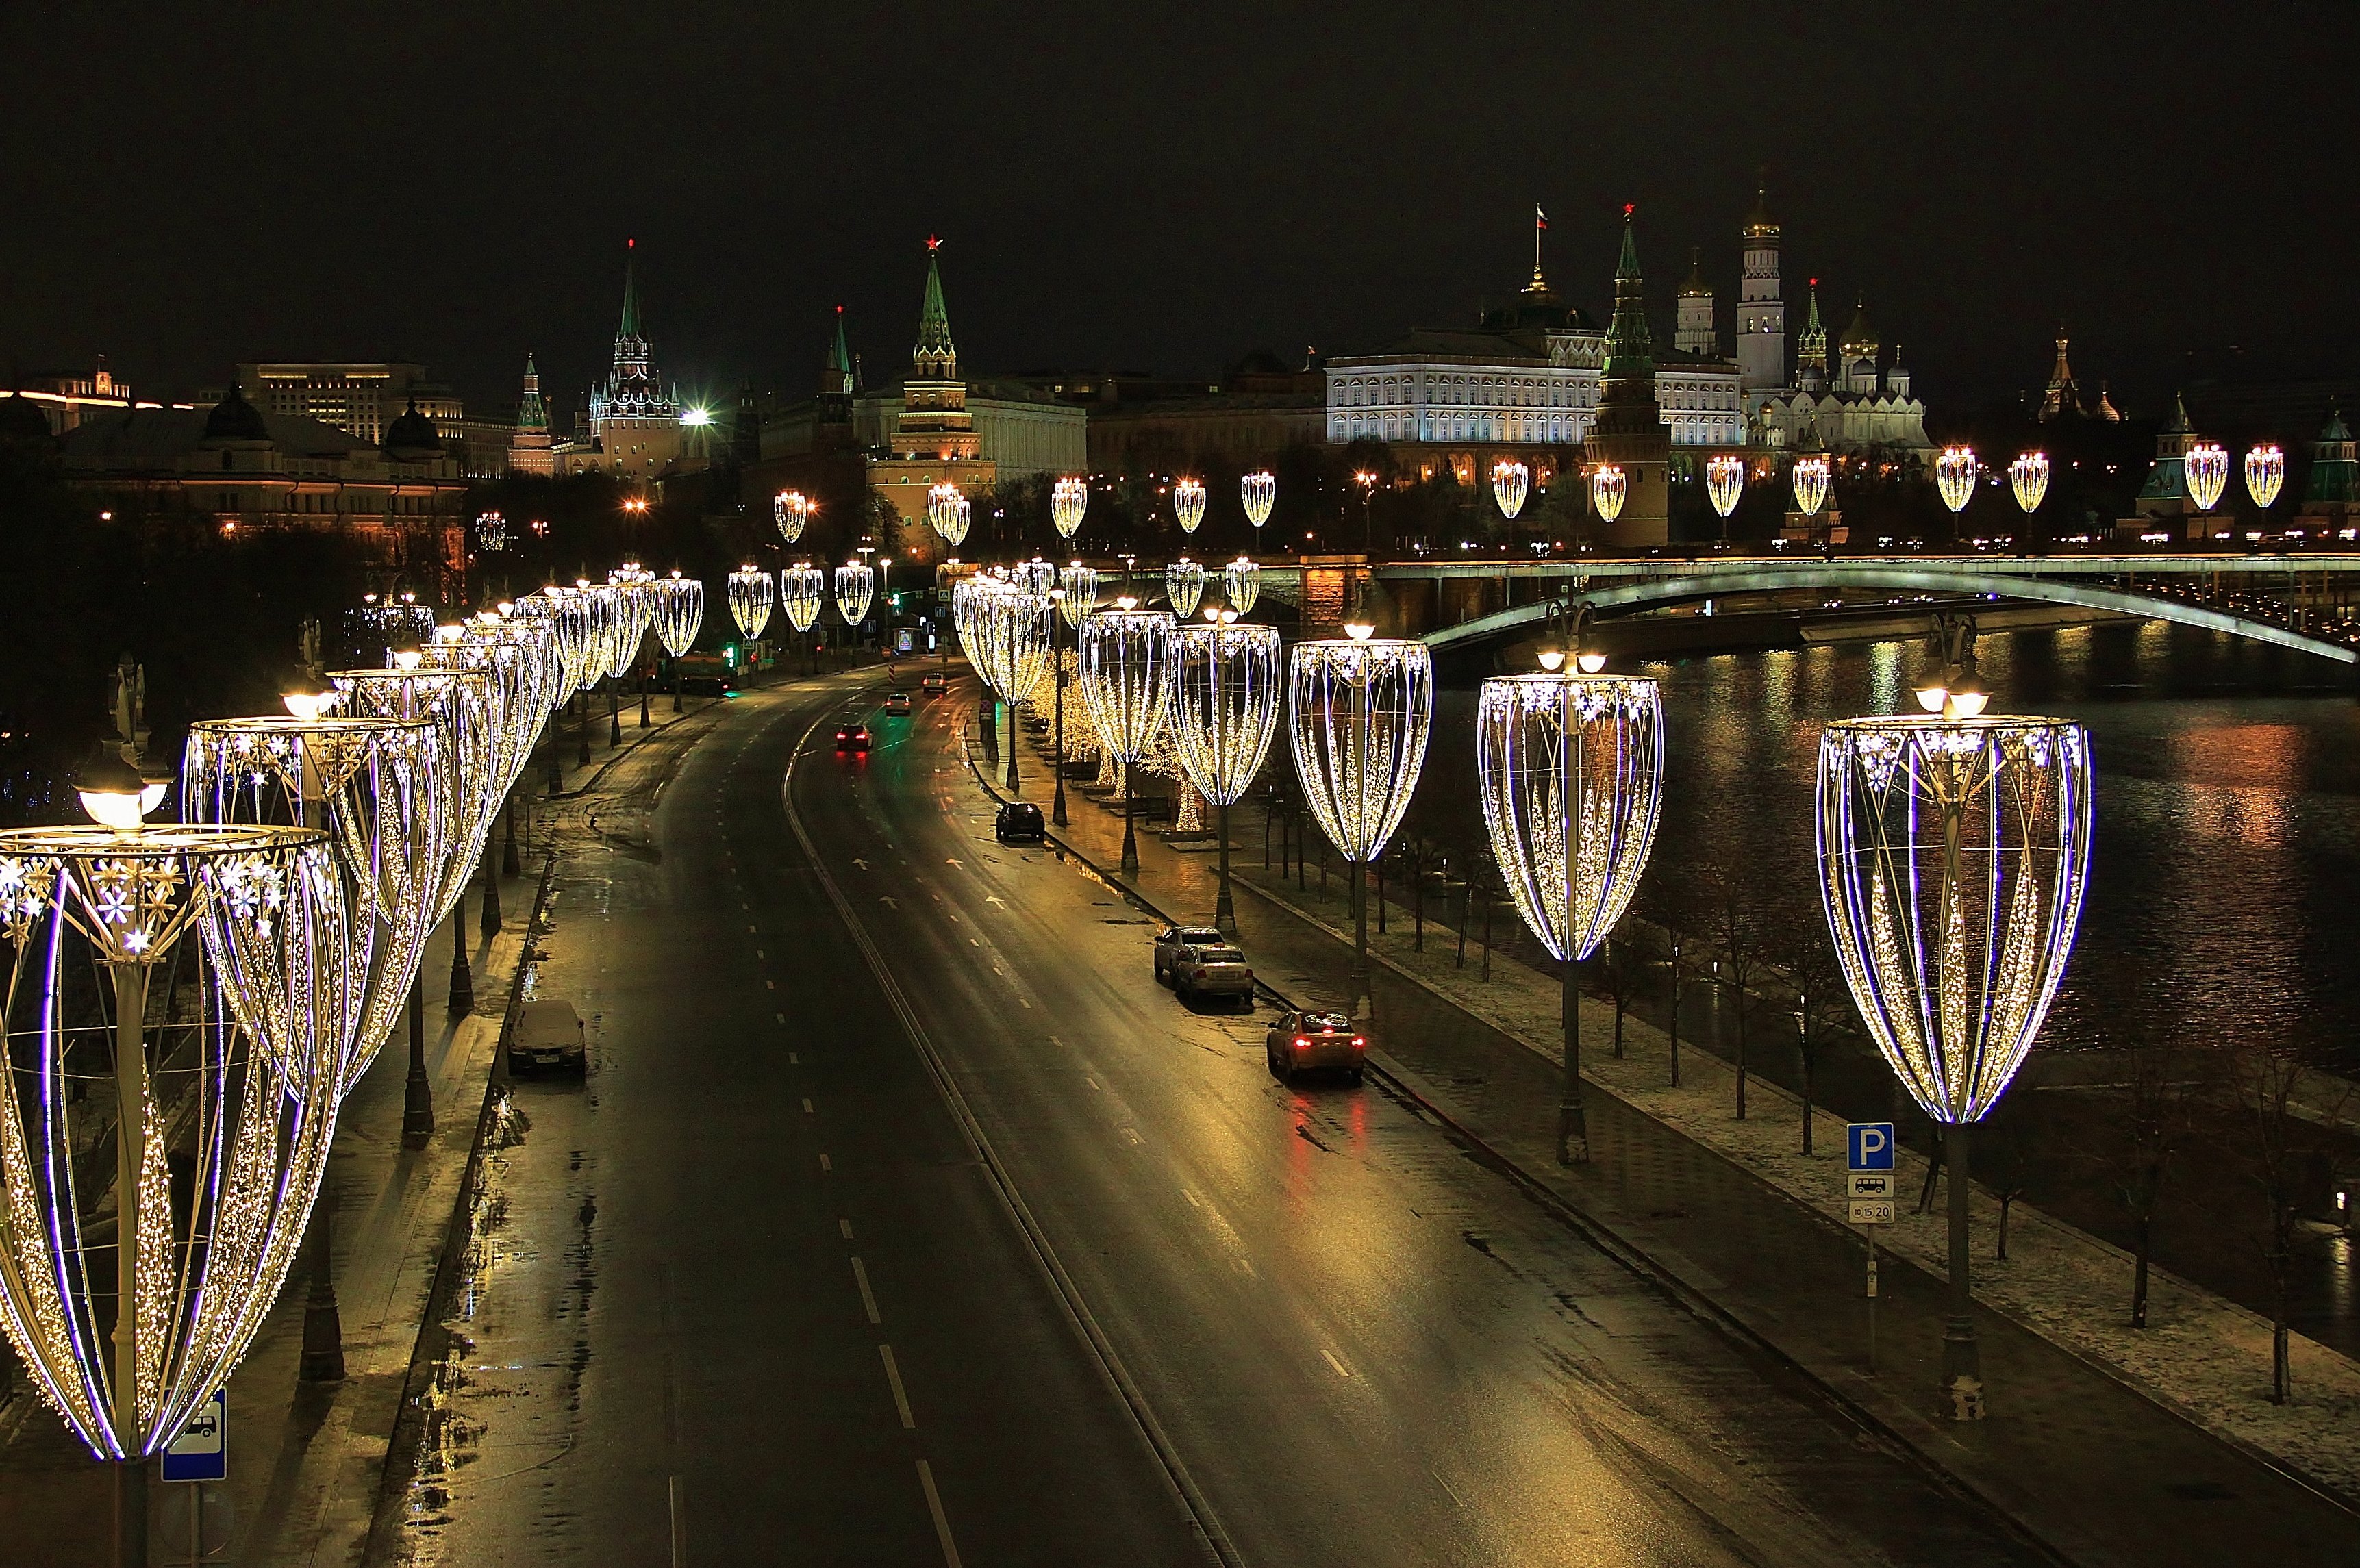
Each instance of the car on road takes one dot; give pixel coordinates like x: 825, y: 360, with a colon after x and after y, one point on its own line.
x: 935, y: 683
x: 852, y: 738
x: 1172, y: 939
x: 547, y: 1034
x: 1019, y: 821
x: 1213, y: 972
x: 1302, y: 1042
x: 897, y: 704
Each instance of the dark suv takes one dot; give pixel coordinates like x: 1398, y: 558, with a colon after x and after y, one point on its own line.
x: 1019, y: 821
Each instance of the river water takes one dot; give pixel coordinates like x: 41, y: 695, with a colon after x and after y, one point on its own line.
x: 2226, y: 875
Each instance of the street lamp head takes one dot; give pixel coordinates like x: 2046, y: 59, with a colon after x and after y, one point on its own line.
x: 114, y: 794
x: 1590, y: 663
x: 1125, y: 602
x: 1933, y: 695
x: 1359, y: 631
x: 1552, y: 659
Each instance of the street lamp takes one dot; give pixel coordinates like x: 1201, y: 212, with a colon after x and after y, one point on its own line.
x: 1724, y: 482
x: 1022, y: 638
x: 1188, y: 504
x: 1360, y: 711
x: 680, y: 615
x: 1953, y: 854
x: 1241, y: 584
x: 1227, y: 684
x: 802, y: 593
x: 1258, y: 491
x: 231, y: 1041
x: 751, y: 599
x: 1510, y: 483
x: 1367, y: 481
x: 2207, y: 467
x: 1069, y: 502
x: 1809, y: 477
x: 1184, y: 587
x: 1123, y: 659
x: 2027, y: 476
x: 1955, y: 471
x: 792, y: 509
x: 1608, y: 489
x: 1570, y: 770
x: 950, y: 512
x: 2265, y: 473
x: 1076, y: 595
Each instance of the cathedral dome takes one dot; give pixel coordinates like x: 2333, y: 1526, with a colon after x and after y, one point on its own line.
x: 1860, y: 340
x: 235, y: 419
x: 413, y: 432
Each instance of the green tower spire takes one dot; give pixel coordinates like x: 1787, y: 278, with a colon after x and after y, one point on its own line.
x: 630, y: 327
x: 934, y: 346
x: 837, y: 376
x: 1630, y: 350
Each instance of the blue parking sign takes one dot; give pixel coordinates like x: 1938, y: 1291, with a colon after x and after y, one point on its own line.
x: 202, y: 1451
x: 1868, y: 1145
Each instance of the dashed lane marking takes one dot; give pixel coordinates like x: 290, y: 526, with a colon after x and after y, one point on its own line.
x: 826, y: 1164
x: 868, y: 1296
x: 846, y: 1227
x: 901, y: 1395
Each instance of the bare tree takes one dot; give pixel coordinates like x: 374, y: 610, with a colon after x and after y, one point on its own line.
x: 1738, y: 928
x: 1626, y: 971
x: 2138, y: 1147
x: 2275, y: 1099
x: 1823, y: 1006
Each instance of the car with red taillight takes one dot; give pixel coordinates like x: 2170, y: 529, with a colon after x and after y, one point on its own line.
x: 1309, y: 1041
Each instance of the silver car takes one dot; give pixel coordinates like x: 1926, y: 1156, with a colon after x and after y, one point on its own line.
x: 1212, y: 970
x: 1302, y: 1042
x: 1172, y: 939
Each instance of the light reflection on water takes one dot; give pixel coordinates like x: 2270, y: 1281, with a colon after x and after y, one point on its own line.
x: 2227, y: 853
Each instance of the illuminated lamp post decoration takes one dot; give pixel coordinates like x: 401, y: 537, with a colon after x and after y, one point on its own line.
x: 491, y: 533
x: 1069, y: 503
x: 751, y: 597
x: 1953, y: 854
x: 680, y: 615
x: 1510, y: 483
x: 1184, y: 587
x: 1188, y: 504
x: 193, y: 1054
x: 1023, y: 638
x: 1360, y: 711
x: 1258, y: 491
x: 1123, y: 659
x: 1570, y: 770
x: 792, y: 510
x: 1956, y: 468
x: 2027, y: 476
x: 1227, y: 684
x: 1724, y: 482
x: 2207, y: 466
x: 1809, y: 477
x: 950, y: 512
x: 1034, y: 576
x: 1241, y: 584
x: 856, y: 585
x: 1608, y: 489
x: 2265, y: 473
x: 1076, y: 595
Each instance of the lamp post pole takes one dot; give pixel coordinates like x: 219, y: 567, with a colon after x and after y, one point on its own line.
x: 1057, y: 809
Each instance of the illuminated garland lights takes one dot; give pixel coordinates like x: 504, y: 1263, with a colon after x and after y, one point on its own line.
x: 1226, y: 685
x: 791, y: 510
x: 1570, y: 771
x: 1956, y: 468
x: 1258, y: 491
x: 460, y: 700
x: 1184, y: 587
x: 2207, y: 468
x: 856, y: 585
x: 1809, y: 477
x: 1241, y: 584
x: 680, y: 613
x: 2027, y: 476
x: 950, y: 512
x: 750, y: 597
x: 1188, y: 504
x: 1361, y: 711
x: 802, y: 594
x: 1724, y: 482
x: 1510, y: 483
x: 1953, y: 858
x: 1069, y: 502
x: 1123, y: 659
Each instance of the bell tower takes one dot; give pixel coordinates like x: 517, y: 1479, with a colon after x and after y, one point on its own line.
x: 1761, y: 314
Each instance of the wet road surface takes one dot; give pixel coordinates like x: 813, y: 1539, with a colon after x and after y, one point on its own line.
x: 748, y: 1293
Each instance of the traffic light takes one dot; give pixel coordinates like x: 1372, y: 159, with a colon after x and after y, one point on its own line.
x: 730, y: 654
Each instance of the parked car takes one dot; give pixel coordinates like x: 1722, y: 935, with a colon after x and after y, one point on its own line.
x: 897, y: 704
x: 852, y: 738
x: 935, y: 684
x: 1213, y: 971
x: 1019, y: 821
x: 547, y: 1034
x: 1172, y: 939
x: 1306, y: 1042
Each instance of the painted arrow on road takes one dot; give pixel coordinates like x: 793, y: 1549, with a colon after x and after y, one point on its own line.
x: 894, y: 902
x: 948, y: 860
x: 993, y: 899
x: 860, y: 863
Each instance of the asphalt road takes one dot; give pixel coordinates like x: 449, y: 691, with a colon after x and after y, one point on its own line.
x: 747, y: 1293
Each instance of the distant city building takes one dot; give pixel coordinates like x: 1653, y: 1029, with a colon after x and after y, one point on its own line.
x: 2164, y: 504
x: 632, y: 425
x: 65, y: 401
x: 361, y: 400
x: 2330, y: 497
x: 1629, y: 432
x: 1761, y: 313
x: 2062, y: 397
x: 1850, y: 401
x: 246, y: 469
x: 530, y: 447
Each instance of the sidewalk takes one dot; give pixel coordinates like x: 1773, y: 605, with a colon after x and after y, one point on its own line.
x: 305, y: 1459
x: 2094, y: 1446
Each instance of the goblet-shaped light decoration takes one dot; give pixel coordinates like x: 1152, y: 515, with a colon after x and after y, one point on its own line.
x: 802, y: 593
x: 1811, y: 481
x: 386, y: 793
x: 187, y: 1057
x: 1069, y: 503
x: 460, y: 700
x: 1123, y: 660
x: 856, y: 585
x: 1953, y: 857
x: 1956, y: 468
x: 1608, y: 489
x: 950, y: 512
x: 512, y: 720
x: 1023, y: 640
x: 1034, y: 576
x: 1510, y: 483
x: 680, y: 611
x: 1081, y: 593
x: 1183, y: 587
x: 1570, y: 771
x: 1228, y: 684
x: 1359, y: 710
x: 577, y: 638
x: 1241, y: 584
x: 1724, y: 482
x: 2265, y: 473
x: 2027, y: 476
x: 610, y: 621
x: 1188, y: 504
x: 751, y: 598
x: 2207, y: 467
x: 1259, y: 492
x: 792, y: 510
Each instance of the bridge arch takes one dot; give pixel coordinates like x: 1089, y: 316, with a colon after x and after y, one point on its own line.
x: 1717, y: 581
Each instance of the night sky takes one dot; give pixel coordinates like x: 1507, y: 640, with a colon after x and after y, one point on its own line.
x: 1161, y: 189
